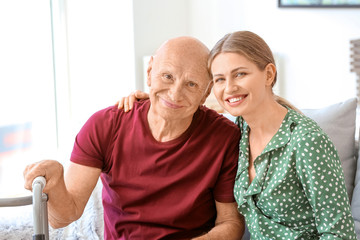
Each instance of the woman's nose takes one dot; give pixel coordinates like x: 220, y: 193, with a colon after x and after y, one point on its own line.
x: 230, y: 86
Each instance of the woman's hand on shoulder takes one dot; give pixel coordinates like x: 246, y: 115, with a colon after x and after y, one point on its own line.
x: 127, y: 103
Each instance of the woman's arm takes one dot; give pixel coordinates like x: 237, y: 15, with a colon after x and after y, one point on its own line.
x: 229, y: 223
x: 319, y: 169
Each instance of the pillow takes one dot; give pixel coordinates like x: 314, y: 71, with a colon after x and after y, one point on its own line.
x: 355, y: 203
x: 339, y: 122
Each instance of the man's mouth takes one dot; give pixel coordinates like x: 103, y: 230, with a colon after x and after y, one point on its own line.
x: 170, y: 104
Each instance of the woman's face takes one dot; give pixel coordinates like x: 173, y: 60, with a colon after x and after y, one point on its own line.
x: 239, y: 85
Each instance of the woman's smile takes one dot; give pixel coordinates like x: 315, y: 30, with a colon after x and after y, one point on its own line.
x: 235, y: 100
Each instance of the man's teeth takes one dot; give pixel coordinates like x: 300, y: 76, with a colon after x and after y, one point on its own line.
x: 231, y: 100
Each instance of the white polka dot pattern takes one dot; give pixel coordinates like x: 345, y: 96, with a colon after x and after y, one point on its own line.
x: 299, y: 189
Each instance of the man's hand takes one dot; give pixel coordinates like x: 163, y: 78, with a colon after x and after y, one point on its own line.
x: 52, y: 170
x: 68, y: 194
x: 127, y: 103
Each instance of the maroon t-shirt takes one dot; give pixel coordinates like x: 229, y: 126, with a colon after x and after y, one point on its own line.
x: 159, y: 190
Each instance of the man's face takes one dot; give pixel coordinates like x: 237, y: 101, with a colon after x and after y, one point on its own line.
x: 178, y: 83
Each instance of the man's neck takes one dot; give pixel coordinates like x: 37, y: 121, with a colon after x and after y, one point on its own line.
x: 164, y: 130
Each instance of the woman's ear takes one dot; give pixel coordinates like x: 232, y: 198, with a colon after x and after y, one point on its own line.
x: 270, y: 74
x: 149, y: 71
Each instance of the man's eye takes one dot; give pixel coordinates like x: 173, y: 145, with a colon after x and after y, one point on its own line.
x: 168, y: 76
x: 192, y: 84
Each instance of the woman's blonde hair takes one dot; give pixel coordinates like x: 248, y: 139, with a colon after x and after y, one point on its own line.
x: 251, y: 46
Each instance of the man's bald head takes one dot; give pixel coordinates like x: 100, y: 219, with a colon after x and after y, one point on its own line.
x: 186, y: 49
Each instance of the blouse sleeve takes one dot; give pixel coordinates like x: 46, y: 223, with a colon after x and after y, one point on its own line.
x: 321, y: 175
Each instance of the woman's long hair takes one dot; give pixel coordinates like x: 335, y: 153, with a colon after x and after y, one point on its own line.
x: 251, y: 46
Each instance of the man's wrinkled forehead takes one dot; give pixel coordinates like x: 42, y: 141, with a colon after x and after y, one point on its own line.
x: 191, y: 57
x: 180, y: 66
x: 185, y: 47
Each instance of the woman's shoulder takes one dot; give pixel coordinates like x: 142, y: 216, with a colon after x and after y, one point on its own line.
x: 305, y: 131
x: 303, y: 125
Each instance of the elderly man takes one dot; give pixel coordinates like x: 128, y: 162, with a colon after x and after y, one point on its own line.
x: 167, y: 167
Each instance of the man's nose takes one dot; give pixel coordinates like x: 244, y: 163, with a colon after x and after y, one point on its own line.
x: 176, y: 91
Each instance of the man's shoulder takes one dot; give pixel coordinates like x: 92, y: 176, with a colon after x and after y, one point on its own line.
x: 217, y: 120
x: 105, y: 113
x: 112, y: 112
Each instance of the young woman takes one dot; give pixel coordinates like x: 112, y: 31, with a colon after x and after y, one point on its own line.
x: 289, y: 183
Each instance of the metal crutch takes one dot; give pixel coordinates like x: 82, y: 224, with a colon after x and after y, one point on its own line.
x: 39, y: 202
x: 40, y: 214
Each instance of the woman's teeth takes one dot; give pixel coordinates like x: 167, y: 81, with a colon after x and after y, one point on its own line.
x: 231, y: 100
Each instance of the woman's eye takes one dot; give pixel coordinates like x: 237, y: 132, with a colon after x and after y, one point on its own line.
x: 240, y: 74
x: 217, y: 80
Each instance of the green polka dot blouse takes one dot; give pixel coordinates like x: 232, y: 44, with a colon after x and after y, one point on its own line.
x: 299, y: 189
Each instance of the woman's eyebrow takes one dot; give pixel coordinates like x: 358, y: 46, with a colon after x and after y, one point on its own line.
x: 232, y: 71
x: 237, y: 69
x: 217, y: 74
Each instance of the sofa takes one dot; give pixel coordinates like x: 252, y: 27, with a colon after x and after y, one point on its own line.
x: 337, y: 120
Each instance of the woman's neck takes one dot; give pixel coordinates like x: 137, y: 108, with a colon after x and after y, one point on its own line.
x: 262, y: 129
x: 266, y: 118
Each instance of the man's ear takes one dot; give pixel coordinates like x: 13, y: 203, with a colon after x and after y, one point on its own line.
x: 207, y: 93
x: 149, y: 71
x: 270, y: 70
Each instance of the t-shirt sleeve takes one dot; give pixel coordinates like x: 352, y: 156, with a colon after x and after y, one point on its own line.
x: 92, y: 142
x: 319, y: 170
x: 224, y: 189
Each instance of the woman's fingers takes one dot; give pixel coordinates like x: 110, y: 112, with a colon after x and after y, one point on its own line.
x: 127, y: 103
x: 120, y: 103
x: 132, y: 99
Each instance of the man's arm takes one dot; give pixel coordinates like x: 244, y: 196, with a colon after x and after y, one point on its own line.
x: 229, y: 223
x: 67, y: 196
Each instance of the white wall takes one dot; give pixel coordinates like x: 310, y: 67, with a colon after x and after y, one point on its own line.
x: 311, y: 45
x: 156, y: 21
x: 100, y: 55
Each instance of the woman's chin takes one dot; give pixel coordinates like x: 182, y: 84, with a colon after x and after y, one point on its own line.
x: 233, y: 112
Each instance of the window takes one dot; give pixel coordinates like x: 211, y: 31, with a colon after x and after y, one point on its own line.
x: 27, y: 103
x: 60, y: 62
